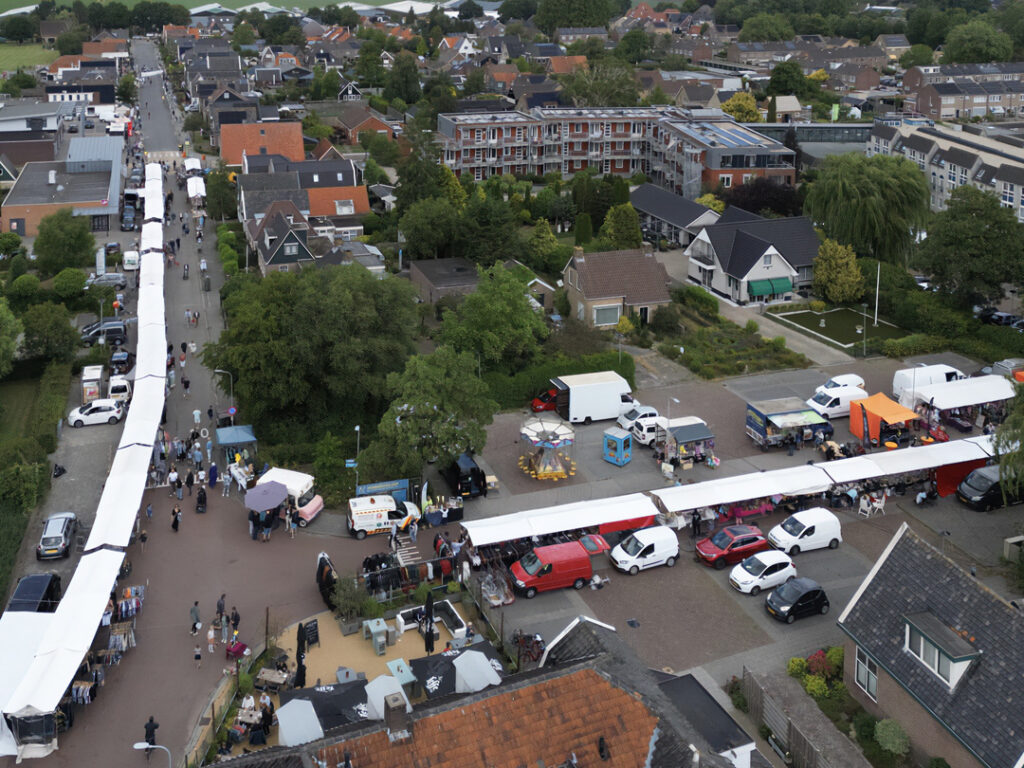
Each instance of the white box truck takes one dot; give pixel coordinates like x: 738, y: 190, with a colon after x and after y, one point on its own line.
x: 905, y: 381
x: 591, y: 397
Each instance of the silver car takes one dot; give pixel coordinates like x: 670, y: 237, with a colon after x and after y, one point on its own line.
x: 112, y: 279
x: 58, y: 531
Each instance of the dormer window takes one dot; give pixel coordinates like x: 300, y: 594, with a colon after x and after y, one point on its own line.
x: 944, y: 651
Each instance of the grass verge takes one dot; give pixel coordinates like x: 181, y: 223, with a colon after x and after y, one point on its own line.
x: 30, y: 55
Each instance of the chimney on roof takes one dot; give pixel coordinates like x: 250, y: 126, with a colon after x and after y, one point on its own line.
x: 397, y: 720
x: 602, y: 749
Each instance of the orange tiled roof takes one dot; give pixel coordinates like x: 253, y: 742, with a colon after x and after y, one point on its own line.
x: 322, y: 199
x: 110, y: 45
x: 71, y: 61
x: 273, y: 138
x: 563, y: 65
x: 536, y: 725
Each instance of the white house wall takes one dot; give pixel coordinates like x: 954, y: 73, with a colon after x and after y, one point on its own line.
x: 779, y: 268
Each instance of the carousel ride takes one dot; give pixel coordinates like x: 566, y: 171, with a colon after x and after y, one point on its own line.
x: 546, y: 448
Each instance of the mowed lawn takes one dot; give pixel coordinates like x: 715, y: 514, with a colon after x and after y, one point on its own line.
x: 18, y: 397
x: 29, y: 55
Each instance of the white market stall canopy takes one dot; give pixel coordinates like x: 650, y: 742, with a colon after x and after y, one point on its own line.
x: 21, y: 633
x: 962, y: 393
x: 154, y: 172
x: 473, y: 672
x: 152, y: 237
x: 792, y: 481
x: 192, y: 165
x: 298, y: 723
x: 565, y: 517
x: 196, y: 187
x: 909, y: 459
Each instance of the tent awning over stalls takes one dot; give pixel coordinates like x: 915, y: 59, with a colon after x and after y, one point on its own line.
x: 437, y: 674
x: 196, y: 187
x: 297, y: 723
x: 335, y: 705
x: 152, y: 238
x: 235, y: 437
x: 377, y: 690
x: 792, y: 481
x: 566, y: 517
x: 962, y: 393
x: 21, y: 632
x: 192, y: 165
x: 690, y: 433
x: 869, y: 414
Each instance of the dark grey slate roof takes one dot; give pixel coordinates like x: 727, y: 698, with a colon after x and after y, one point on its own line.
x: 739, y: 245
x: 986, y: 174
x: 884, y: 132
x: 734, y: 215
x: 960, y: 158
x: 947, y: 89
x: 664, y: 205
x: 919, y: 143
x: 1011, y: 173
x: 986, y: 710
x: 700, y: 708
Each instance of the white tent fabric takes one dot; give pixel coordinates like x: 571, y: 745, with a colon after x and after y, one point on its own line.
x: 377, y: 690
x: 962, y: 393
x: 473, y: 672
x: 152, y: 237
x: 192, y: 164
x: 297, y: 723
x: 21, y: 632
x: 196, y: 187
x: 852, y: 470
x: 792, y: 481
x: 154, y: 171
x: 153, y: 205
x: 121, y: 498
x: 67, y: 639
x: 565, y: 517
x: 908, y: 459
x: 985, y: 442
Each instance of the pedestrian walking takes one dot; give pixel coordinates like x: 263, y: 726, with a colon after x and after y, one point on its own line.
x: 151, y: 726
x: 209, y: 451
x: 288, y: 521
x: 393, y: 540
x: 170, y: 377
x: 175, y: 518
x: 172, y: 479
x: 226, y: 485
x: 178, y: 488
x: 235, y: 618
x: 413, y: 528
x: 185, y: 383
x: 188, y: 320
x: 225, y: 628
x: 142, y: 540
x: 209, y: 414
x: 252, y: 524
x: 190, y: 480
x: 149, y: 511
x: 177, y: 243
x: 195, y: 318
x: 197, y: 654
x: 197, y: 457
x: 211, y: 639
x: 213, y: 474
x: 195, y: 624
x: 220, y: 605
x: 181, y: 361
x: 197, y: 415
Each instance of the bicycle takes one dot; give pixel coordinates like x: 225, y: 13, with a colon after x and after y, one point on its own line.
x: 531, y: 646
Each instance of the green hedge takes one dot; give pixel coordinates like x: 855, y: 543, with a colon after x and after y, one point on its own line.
x: 50, y: 404
x: 697, y: 299
x: 514, y: 391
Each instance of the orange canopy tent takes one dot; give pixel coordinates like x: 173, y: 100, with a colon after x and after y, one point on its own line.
x: 872, y: 412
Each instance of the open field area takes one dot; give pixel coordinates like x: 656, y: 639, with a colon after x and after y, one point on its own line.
x: 840, y: 326
x: 13, y: 55
x: 18, y: 395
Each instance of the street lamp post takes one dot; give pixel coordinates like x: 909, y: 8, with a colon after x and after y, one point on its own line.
x: 147, y: 746
x: 231, y: 387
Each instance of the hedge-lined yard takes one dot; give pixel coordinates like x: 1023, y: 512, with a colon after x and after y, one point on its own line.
x: 516, y: 391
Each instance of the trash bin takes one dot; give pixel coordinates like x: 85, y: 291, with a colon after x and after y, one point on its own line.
x: 206, y: 283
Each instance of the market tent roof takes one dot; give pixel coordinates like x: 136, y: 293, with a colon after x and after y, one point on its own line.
x: 473, y: 672
x: 565, y: 517
x: 155, y: 171
x: 928, y: 456
x: 21, y: 632
x: 986, y: 442
x: 436, y: 673
x: 852, y: 470
x: 379, y: 689
x: 193, y: 164
x: 238, y: 435
x: 691, y: 433
x: 962, y: 393
x: 876, y: 410
x: 792, y: 481
x: 122, y: 497
x: 152, y: 237
x: 196, y: 187
x: 338, y: 704
x: 298, y: 723
x: 68, y: 637
x: 795, y: 419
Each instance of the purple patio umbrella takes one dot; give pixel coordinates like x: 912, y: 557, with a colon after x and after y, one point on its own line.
x: 265, y: 496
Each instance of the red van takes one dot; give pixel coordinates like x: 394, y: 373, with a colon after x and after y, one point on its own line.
x: 557, y: 566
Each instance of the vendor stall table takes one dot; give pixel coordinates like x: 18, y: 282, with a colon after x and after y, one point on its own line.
x: 400, y: 670
x: 249, y: 716
x: 270, y: 678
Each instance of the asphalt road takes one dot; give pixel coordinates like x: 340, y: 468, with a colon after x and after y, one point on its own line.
x: 159, y: 124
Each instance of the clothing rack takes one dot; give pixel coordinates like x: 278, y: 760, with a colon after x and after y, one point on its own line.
x: 122, y: 636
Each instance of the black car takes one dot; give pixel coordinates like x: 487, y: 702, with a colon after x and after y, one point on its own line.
x: 36, y: 593
x: 90, y: 124
x: 795, y: 599
x: 72, y: 129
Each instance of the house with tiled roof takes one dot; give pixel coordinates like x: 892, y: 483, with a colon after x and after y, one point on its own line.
x: 110, y: 48
x: 355, y: 118
x: 570, y: 35
x: 745, y: 257
x: 563, y: 65
x: 498, y: 78
x: 261, y: 139
x: 665, y: 215
x: 457, y: 43
x: 893, y: 45
x: 934, y: 648
x: 602, y: 287
x: 51, y: 29
x: 279, y: 239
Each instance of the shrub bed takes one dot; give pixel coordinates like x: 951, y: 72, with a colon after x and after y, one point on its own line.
x: 512, y: 391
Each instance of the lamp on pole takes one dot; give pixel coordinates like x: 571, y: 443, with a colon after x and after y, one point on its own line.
x: 103, y: 331
x: 147, y: 746
x: 864, y: 306
x: 231, y: 384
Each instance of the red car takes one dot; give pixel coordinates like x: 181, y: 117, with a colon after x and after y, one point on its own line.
x: 731, y: 545
x: 545, y: 401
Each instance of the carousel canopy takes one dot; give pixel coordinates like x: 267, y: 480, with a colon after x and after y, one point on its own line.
x: 547, y: 431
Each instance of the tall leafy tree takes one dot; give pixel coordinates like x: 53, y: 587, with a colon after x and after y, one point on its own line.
x: 552, y: 14
x: 488, y: 232
x: 403, y: 81
x: 621, y: 228
x: 976, y: 42
x: 369, y: 68
x: 310, y: 350
x: 766, y: 26
x: 788, y: 80
x: 439, y: 409
x: 763, y: 196
x: 875, y: 204
x: 496, y: 322
x: 919, y: 55
x: 10, y: 330
x: 741, y: 105
x: 19, y: 28
x: 431, y: 227
x: 63, y: 241
x: 634, y: 46
x: 1009, y: 438
x: 973, y: 247
x: 837, y: 278
x: 516, y: 9
x: 49, y: 332
x: 419, y: 174
x: 607, y: 83
x: 221, y: 200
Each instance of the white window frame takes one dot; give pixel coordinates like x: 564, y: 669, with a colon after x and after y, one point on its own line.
x: 344, y: 207
x: 726, y: 181
x: 928, y: 653
x: 291, y: 249
x: 868, y: 670
x: 618, y: 314
x: 766, y: 260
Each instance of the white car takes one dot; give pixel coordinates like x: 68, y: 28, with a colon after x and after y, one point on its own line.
x: 103, y: 411
x: 765, y: 570
x: 634, y: 414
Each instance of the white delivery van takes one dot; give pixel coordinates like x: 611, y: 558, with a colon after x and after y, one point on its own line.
x: 810, y: 529
x: 301, y: 493
x: 646, y: 548
x: 656, y: 429
x: 833, y: 403
x: 905, y: 381
x: 375, y: 514
x: 591, y: 397
x: 119, y: 388
x: 130, y: 261
x: 840, y: 381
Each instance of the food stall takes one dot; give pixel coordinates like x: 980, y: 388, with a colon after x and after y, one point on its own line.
x: 965, y: 403
x: 880, y: 419
x: 689, y: 443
